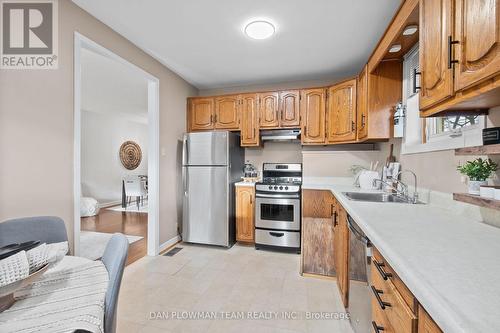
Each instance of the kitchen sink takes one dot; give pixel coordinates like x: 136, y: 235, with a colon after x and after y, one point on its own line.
x: 377, y: 197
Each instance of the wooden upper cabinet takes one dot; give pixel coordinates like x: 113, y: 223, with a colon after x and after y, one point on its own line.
x: 312, y: 109
x: 341, y: 114
x: 289, y: 108
x: 269, y: 109
x: 436, y: 26
x: 200, y: 114
x: 227, y: 112
x: 245, y: 207
x: 249, y: 120
x: 477, y: 31
x: 362, y: 104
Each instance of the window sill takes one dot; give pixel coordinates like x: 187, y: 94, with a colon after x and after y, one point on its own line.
x: 468, y: 138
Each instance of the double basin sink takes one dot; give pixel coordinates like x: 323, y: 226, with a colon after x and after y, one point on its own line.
x: 378, y: 197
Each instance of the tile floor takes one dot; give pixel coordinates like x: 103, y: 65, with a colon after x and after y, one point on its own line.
x: 213, y: 281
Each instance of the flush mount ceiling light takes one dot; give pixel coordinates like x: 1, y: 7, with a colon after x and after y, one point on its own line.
x: 395, y: 48
x: 410, y: 30
x: 259, y: 29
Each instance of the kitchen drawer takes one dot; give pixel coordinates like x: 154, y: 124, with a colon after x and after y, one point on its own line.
x: 389, y: 300
x: 384, y: 269
x: 277, y: 238
x: 380, y: 322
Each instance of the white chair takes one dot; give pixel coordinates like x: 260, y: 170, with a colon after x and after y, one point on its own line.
x: 134, y: 187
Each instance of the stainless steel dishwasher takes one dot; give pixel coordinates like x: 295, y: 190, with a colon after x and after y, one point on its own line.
x: 360, y: 253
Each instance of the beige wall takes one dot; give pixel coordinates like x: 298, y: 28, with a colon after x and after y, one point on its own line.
x: 274, y: 152
x: 36, y: 127
x: 435, y: 170
x: 272, y: 86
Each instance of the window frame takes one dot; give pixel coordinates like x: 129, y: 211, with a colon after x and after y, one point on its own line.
x: 465, y: 137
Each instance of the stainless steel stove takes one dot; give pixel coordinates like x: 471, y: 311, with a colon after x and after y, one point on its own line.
x: 278, y: 204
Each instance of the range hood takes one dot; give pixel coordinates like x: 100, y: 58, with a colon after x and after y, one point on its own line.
x: 280, y: 135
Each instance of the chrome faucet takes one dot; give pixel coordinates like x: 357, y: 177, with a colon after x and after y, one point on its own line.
x: 403, y: 192
x: 414, y: 198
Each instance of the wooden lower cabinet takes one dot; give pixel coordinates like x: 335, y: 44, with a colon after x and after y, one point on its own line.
x: 425, y: 322
x: 391, y: 303
x: 245, y: 214
x: 325, y: 238
x: 341, y: 251
x: 394, y: 308
x: 318, y: 208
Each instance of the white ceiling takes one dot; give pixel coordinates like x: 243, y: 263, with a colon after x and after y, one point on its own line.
x: 110, y: 87
x: 203, y: 41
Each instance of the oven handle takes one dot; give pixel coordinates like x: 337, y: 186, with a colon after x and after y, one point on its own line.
x: 277, y: 196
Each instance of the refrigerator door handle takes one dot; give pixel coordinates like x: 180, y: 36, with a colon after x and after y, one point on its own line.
x: 185, y: 151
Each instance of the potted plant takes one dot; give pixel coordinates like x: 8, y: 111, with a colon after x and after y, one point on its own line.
x: 478, y: 171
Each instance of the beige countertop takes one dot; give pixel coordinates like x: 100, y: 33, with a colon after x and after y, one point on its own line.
x: 242, y: 183
x: 450, y: 262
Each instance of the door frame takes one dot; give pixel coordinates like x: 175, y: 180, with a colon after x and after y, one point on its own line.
x: 80, y: 41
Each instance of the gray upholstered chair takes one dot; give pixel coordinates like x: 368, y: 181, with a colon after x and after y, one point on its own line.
x: 114, y: 258
x: 50, y: 229
x: 47, y: 229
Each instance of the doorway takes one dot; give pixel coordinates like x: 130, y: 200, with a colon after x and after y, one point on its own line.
x: 116, y: 152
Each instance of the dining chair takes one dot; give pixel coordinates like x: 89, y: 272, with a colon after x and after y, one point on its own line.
x: 135, y: 187
x: 114, y: 259
x: 46, y: 229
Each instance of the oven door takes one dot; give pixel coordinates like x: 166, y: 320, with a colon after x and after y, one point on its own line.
x: 277, y: 211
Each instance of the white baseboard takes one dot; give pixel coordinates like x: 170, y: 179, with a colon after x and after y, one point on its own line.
x: 169, y: 243
x: 110, y: 204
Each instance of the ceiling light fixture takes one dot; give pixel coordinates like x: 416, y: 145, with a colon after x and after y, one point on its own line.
x: 395, y: 48
x: 410, y: 30
x: 259, y: 29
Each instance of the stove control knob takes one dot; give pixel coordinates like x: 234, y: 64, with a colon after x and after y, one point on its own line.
x: 275, y: 187
x: 281, y: 187
x: 286, y: 188
x: 270, y: 187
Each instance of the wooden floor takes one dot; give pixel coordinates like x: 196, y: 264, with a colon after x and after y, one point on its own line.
x: 109, y: 221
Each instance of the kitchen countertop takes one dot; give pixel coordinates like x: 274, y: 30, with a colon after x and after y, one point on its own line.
x: 449, y: 262
x: 242, y: 183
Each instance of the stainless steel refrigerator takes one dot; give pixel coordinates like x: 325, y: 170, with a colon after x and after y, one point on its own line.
x: 212, y: 162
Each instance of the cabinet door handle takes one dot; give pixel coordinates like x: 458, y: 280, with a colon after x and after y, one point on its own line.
x: 215, y: 118
x: 353, y: 126
x: 377, y: 293
x: 380, y: 269
x: 376, y: 328
x: 451, y: 61
x: 363, y: 119
x: 335, y: 219
x: 415, y: 87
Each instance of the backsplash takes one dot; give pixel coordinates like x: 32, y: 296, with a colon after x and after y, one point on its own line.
x: 274, y: 152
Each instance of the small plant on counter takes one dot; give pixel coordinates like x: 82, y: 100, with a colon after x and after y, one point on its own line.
x: 478, y: 171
